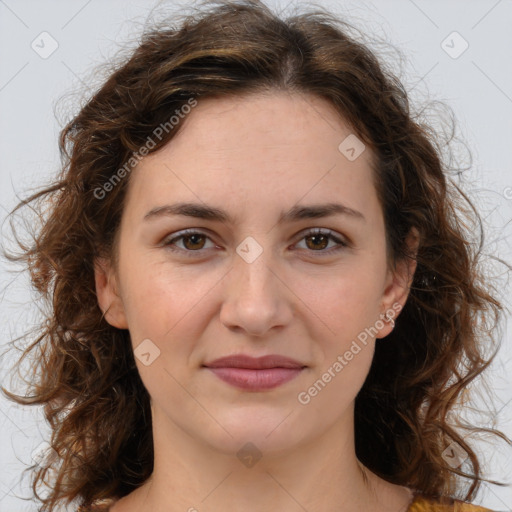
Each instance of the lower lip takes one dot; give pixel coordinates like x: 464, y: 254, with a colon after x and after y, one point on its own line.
x: 256, y: 380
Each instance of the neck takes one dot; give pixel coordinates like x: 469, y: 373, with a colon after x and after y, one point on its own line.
x: 321, y: 474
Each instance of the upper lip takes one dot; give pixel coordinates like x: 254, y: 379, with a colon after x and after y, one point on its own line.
x: 256, y: 363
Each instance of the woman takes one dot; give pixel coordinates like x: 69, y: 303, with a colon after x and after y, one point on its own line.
x: 261, y: 287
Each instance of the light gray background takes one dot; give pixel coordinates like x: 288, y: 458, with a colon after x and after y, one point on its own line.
x: 477, y: 85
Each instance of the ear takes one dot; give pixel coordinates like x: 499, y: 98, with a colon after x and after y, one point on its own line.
x: 398, y: 284
x: 109, y: 299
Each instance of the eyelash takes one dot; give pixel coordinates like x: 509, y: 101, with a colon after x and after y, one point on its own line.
x: 168, y: 244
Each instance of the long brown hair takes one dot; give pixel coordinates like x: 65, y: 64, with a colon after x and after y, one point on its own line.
x: 83, y: 369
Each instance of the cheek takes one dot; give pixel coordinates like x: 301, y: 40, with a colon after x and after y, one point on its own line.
x: 346, y: 311
x: 165, y: 303
x: 345, y: 299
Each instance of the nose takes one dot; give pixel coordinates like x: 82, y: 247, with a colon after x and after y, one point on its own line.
x: 257, y: 297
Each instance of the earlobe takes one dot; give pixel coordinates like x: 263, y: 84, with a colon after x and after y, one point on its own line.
x: 107, y: 292
x: 399, y: 284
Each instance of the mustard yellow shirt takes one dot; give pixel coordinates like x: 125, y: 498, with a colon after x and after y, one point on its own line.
x: 419, y: 504
x: 423, y: 504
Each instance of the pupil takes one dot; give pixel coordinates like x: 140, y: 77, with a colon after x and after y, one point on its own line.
x: 318, y: 241
x: 194, y: 243
x: 316, y: 237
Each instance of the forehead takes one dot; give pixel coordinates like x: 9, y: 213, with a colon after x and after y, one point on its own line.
x: 273, y: 146
x: 273, y: 120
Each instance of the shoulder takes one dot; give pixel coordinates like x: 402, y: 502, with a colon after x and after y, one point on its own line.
x: 424, y: 504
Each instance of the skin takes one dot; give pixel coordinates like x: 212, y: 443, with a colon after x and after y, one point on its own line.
x: 292, y: 300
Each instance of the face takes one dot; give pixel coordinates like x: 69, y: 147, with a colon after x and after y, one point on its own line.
x: 263, y: 269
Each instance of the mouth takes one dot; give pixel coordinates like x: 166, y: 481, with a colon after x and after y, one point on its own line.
x: 255, y: 374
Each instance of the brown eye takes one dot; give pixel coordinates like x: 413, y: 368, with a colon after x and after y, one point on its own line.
x: 196, y: 241
x: 317, y: 241
x: 188, y: 243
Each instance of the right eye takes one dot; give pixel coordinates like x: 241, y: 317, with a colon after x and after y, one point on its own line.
x: 193, y: 242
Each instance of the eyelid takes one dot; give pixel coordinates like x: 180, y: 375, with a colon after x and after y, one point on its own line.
x: 168, y: 241
x: 341, y: 241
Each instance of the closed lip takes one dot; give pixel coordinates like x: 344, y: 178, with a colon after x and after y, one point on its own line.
x: 254, y: 363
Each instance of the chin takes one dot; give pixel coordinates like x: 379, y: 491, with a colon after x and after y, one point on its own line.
x: 266, y: 432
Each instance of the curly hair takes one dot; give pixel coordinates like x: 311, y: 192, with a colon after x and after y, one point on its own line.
x: 83, y: 369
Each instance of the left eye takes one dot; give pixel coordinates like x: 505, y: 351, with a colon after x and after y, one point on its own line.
x: 317, y: 240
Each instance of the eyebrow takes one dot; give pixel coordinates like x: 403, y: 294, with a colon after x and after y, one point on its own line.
x: 296, y: 213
